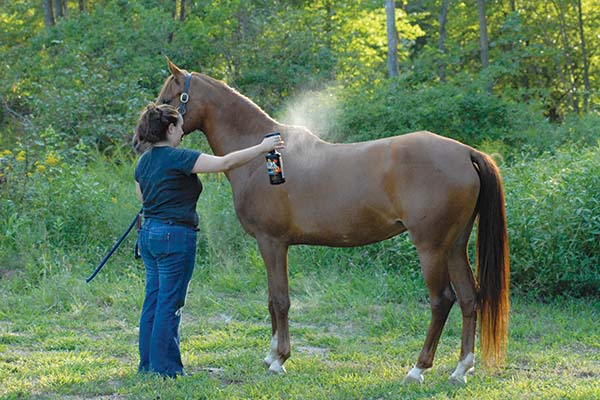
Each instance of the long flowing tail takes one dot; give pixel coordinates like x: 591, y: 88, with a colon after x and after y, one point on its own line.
x: 493, y: 266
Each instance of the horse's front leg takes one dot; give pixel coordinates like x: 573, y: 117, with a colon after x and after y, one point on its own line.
x: 274, y: 253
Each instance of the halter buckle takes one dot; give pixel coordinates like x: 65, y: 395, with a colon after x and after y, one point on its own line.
x: 184, y: 97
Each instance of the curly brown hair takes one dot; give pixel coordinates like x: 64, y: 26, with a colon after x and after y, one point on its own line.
x: 154, y: 122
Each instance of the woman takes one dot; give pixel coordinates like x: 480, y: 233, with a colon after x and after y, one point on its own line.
x: 167, y: 185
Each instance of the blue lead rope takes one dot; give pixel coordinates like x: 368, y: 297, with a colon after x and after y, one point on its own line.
x: 115, y: 247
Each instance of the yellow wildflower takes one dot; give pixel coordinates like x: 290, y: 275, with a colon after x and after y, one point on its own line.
x: 21, y: 156
x: 41, y: 168
x: 52, y: 159
x: 114, y: 200
x: 29, y: 174
x: 7, y: 153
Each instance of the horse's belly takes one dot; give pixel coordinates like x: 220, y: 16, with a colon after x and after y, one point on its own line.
x: 339, y: 229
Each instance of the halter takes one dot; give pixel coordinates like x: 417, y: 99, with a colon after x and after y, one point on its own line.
x: 185, y: 96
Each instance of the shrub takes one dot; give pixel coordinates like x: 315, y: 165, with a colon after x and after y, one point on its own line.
x: 56, y: 208
x: 553, y: 208
x: 463, y: 112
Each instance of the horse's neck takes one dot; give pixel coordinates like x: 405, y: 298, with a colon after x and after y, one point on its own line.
x: 241, y: 125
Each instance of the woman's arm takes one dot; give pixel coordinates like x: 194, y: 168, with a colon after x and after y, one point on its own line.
x: 210, y: 163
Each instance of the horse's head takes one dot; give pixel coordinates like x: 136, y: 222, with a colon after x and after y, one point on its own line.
x: 214, y: 108
x: 175, y: 93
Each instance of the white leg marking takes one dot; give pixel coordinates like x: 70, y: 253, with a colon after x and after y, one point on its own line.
x: 464, y: 366
x: 272, y: 356
x: 414, y: 376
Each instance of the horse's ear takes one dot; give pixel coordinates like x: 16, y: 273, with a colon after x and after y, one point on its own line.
x: 178, y: 74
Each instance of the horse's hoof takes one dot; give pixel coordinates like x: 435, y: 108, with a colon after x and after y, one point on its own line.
x: 464, y: 367
x: 268, y: 361
x: 277, y: 368
x: 458, y: 379
x: 414, y: 376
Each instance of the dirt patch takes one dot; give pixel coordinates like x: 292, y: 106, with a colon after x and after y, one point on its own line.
x: 312, y: 351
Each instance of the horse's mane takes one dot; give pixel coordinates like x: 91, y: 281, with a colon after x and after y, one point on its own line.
x: 221, y: 86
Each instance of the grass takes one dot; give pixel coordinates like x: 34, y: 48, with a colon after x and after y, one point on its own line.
x: 358, y: 317
x: 66, y: 339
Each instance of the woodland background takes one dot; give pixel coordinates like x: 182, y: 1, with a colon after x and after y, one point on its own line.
x: 518, y: 79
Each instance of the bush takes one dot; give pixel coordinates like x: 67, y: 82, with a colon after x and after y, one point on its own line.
x: 553, y: 208
x: 56, y: 209
x: 88, y: 77
x: 465, y: 113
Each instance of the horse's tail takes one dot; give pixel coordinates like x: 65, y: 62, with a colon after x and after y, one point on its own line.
x: 493, y: 267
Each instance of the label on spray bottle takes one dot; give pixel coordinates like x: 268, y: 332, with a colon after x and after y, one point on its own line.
x: 275, y: 164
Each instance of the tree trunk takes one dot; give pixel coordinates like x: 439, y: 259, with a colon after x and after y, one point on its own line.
x: 568, y: 51
x: 48, y: 14
x: 81, y: 5
x: 392, y: 35
x: 173, y: 15
x: 586, y: 67
x: 58, y: 8
x: 483, y: 39
x: 329, y: 24
x: 442, y: 44
x: 182, y: 11
x: 549, y: 41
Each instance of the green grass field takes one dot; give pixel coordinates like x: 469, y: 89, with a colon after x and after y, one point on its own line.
x: 358, y: 317
x: 354, y: 336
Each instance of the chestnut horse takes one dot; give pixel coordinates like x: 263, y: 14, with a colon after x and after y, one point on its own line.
x: 346, y: 195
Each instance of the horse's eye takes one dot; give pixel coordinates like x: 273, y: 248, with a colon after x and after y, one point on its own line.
x: 165, y: 101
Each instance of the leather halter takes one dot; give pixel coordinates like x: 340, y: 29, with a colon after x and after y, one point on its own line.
x: 185, y: 96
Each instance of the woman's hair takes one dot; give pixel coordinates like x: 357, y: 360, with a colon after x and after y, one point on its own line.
x: 154, y: 122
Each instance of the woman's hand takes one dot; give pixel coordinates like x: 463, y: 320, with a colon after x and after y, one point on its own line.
x: 272, y: 143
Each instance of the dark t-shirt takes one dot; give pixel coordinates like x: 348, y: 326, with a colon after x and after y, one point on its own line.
x: 169, y: 188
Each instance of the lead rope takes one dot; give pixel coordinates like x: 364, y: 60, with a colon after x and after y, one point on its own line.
x: 136, y: 223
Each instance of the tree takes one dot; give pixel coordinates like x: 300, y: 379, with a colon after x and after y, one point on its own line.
x: 48, y: 14
x: 442, y: 43
x: 571, y: 80
x: 58, y: 8
x: 483, y: 39
x: 392, y: 36
x: 584, y: 58
x: 182, y: 11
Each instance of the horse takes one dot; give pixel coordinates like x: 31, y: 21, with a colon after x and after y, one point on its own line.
x: 432, y: 187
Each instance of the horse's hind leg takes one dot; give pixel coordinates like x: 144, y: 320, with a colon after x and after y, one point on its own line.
x: 435, y: 271
x: 463, y: 282
x: 274, y: 254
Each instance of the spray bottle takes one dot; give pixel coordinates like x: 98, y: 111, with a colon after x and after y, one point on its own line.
x: 275, y: 164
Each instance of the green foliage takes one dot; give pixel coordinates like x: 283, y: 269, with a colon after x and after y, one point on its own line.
x: 553, y: 207
x: 55, y: 207
x: 81, y: 85
x: 90, y: 74
x: 463, y: 112
x: 88, y: 83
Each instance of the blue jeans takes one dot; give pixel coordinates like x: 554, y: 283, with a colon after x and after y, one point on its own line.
x: 168, y: 252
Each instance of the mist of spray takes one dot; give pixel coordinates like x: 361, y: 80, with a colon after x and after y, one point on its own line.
x: 316, y: 110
